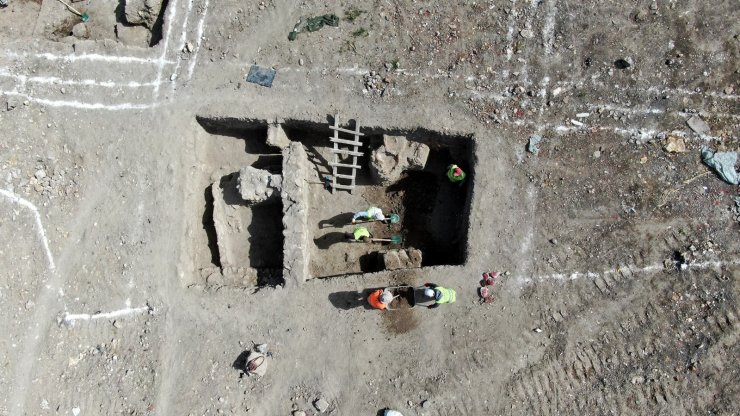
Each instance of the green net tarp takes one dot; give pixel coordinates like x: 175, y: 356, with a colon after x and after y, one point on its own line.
x: 312, y: 24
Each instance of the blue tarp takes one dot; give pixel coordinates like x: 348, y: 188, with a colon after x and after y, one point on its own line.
x: 723, y: 163
x: 261, y: 75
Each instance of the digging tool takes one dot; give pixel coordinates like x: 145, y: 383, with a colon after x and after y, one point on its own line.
x: 83, y: 16
x: 395, y: 239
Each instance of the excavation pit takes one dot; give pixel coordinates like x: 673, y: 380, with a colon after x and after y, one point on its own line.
x: 136, y: 23
x: 302, y: 234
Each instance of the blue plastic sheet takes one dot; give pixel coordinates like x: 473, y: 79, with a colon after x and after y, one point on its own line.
x: 261, y: 76
x: 723, y: 163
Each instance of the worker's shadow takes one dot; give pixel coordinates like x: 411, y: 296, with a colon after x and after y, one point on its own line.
x: 240, y: 363
x: 329, y: 239
x: 337, y: 221
x: 350, y: 300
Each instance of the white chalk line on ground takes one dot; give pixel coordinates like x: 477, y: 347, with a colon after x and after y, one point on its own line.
x: 183, y: 40
x: 510, y: 32
x: 83, y: 105
x: 39, y: 226
x: 23, y: 79
x: 506, y: 83
x: 168, y: 32
x: 88, y: 57
x: 70, y: 318
x: 199, y: 35
x: 627, y: 269
x: 548, y: 30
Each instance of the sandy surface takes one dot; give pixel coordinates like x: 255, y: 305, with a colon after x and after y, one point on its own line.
x: 619, y: 259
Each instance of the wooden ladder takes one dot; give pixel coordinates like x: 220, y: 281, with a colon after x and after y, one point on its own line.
x: 352, y: 148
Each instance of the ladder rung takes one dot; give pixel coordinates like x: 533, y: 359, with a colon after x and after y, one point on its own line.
x: 357, y: 133
x: 349, y: 142
x: 347, y: 152
x: 343, y: 176
x: 340, y: 186
x: 345, y: 165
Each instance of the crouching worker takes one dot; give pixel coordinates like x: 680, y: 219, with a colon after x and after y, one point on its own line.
x: 372, y: 214
x: 439, y: 294
x: 359, y: 235
x: 380, y: 299
x: 455, y: 174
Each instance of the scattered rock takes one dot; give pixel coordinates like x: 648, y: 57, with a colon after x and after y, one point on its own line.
x: 426, y: 404
x: 79, y: 30
x: 674, y: 145
x: 395, y: 156
x: 300, y: 62
x: 698, y: 125
x: 623, y: 63
x: 299, y: 413
x: 261, y: 348
x: 321, y: 405
x: 532, y: 145
x: 11, y: 103
x: 597, y: 154
x: 527, y: 33
x: 189, y: 47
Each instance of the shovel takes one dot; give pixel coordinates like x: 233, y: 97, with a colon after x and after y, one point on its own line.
x: 83, y: 16
x: 395, y: 239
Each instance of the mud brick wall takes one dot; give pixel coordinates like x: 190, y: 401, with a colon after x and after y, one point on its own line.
x: 295, y: 214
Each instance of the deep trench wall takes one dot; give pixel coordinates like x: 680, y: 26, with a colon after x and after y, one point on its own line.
x: 295, y: 214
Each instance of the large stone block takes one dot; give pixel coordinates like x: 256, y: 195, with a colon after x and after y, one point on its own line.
x: 257, y: 185
x: 276, y: 136
x: 402, y: 259
x: 142, y: 12
x: 396, y: 155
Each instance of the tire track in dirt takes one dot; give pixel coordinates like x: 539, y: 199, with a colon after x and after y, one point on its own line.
x: 114, y: 358
x: 556, y: 384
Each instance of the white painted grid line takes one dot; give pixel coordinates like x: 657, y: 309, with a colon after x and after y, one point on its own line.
x: 548, y: 30
x: 183, y: 40
x: 633, y: 269
x: 39, y: 226
x: 199, y: 36
x: 23, y: 79
x: 88, y: 57
x: 82, y: 105
x: 510, y: 32
x: 70, y: 318
x: 168, y: 32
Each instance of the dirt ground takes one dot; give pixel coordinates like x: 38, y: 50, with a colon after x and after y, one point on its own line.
x: 619, y: 259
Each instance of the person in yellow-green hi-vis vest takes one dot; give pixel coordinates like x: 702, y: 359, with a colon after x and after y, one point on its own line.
x: 439, y: 294
x: 360, y: 235
x: 455, y: 174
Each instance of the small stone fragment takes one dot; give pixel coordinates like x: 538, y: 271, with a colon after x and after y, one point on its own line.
x: 79, y: 30
x: 321, y: 405
x: 527, y: 33
x: 674, y: 145
x: 698, y: 125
